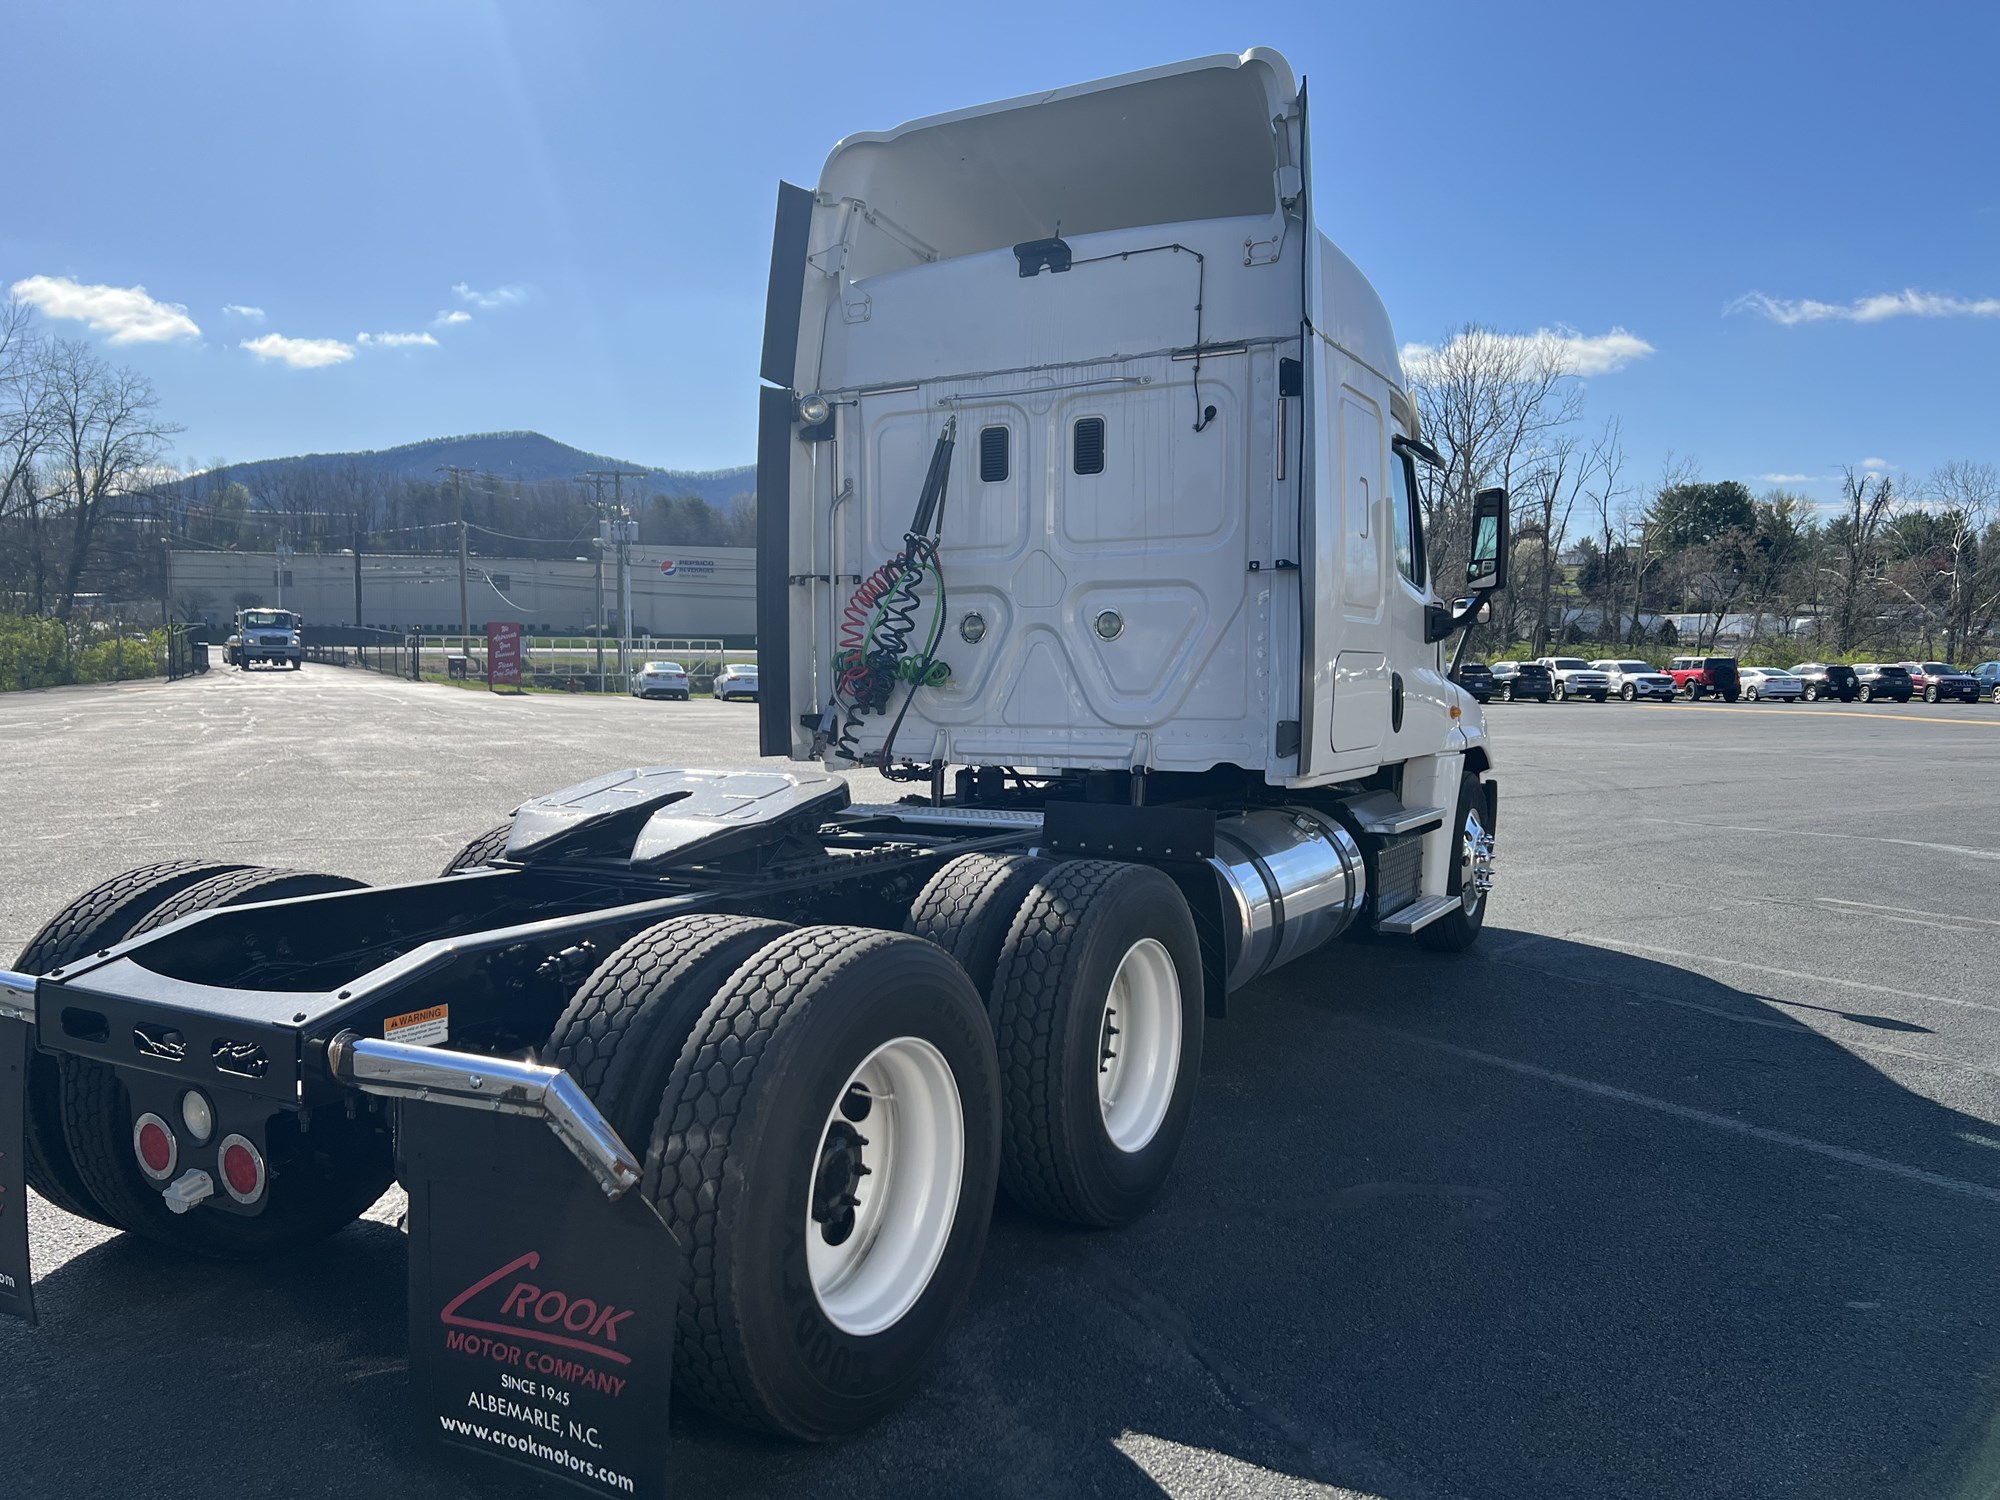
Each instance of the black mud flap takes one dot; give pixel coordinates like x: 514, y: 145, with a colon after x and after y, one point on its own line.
x: 541, y: 1312
x: 17, y: 1289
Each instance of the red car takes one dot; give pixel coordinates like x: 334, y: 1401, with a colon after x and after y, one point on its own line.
x: 1934, y: 681
x: 1706, y: 677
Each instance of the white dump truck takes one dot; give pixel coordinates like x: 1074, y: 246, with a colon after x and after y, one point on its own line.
x: 1088, y: 509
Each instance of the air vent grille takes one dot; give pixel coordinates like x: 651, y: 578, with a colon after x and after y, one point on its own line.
x: 992, y: 454
x: 1089, y: 455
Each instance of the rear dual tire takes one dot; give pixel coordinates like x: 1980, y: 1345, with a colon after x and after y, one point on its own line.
x: 820, y: 1113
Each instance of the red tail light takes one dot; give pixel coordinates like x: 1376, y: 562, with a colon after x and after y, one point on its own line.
x: 154, y: 1144
x: 242, y: 1169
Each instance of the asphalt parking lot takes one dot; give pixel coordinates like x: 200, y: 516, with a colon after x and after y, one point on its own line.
x: 1685, y: 1183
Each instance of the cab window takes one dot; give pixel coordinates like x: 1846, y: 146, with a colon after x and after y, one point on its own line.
x: 1409, y: 526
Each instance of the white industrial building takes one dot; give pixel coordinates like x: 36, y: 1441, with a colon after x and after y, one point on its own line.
x: 703, y: 592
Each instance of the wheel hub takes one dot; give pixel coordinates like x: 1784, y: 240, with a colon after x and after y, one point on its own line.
x: 1475, y: 862
x: 1139, y: 1045
x: 837, y: 1183
x: 884, y: 1190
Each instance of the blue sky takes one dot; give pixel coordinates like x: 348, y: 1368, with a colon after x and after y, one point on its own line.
x: 572, y: 202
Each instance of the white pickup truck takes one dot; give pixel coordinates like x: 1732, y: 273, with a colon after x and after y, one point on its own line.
x: 1577, y: 678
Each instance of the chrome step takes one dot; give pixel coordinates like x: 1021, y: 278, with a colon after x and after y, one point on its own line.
x: 1418, y: 915
x: 1381, y: 814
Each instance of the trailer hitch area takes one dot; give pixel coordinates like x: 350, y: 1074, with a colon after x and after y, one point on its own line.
x: 398, y: 1070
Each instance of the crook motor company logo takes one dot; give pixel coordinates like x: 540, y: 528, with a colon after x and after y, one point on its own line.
x: 527, y: 1309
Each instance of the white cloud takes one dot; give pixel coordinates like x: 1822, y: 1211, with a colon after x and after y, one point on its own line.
x: 1908, y: 303
x: 300, y: 354
x: 1788, y: 478
x: 238, y: 310
x: 1877, y: 465
x: 448, y: 317
x: 124, y: 312
x: 1579, y: 353
x: 500, y: 296
x: 395, y: 340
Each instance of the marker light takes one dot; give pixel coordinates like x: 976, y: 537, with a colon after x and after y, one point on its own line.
x: 155, y: 1147
x: 197, y: 1115
x: 814, y: 410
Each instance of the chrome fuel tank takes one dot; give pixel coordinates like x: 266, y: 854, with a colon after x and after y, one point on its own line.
x: 1292, y: 879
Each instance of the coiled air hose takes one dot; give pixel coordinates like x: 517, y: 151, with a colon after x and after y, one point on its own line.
x: 876, y: 626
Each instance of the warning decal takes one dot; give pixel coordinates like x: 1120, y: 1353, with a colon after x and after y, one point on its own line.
x: 420, y: 1028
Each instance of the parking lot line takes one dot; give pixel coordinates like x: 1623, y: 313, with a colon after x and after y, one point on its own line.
x: 1820, y: 833
x: 1737, y: 963
x: 1844, y: 1154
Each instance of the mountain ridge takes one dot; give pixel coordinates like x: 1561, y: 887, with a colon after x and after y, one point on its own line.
x: 522, y: 456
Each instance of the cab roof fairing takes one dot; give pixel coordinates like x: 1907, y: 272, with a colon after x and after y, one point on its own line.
x: 1190, y: 140
x: 1187, y: 141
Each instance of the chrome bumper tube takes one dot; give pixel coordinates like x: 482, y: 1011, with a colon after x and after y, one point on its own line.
x: 398, y: 1070
x: 17, y: 996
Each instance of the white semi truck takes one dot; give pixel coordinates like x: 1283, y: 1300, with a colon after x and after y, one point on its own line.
x: 1087, y: 508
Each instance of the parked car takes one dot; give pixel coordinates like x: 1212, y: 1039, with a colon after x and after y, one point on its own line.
x: 1937, y: 681
x: 1880, y: 680
x: 1632, y: 680
x: 1706, y: 676
x: 1987, y: 675
x: 1761, y: 683
x: 1576, y: 678
x: 738, y: 680
x: 661, y: 679
x: 1477, y: 679
x: 1827, y: 680
x: 1523, y: 679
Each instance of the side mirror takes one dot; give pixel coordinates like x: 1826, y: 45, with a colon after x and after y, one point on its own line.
x: 1486, y: 569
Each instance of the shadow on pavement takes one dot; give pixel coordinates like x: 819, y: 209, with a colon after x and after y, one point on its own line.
x: 1545, y: 1220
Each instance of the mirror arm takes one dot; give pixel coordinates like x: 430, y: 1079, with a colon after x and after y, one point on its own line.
x: 1440, y: 622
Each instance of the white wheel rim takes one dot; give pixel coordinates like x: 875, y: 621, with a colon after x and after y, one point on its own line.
x: 870, y: 1259
x: 1139, y: 1045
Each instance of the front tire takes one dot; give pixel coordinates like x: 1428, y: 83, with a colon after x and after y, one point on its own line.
x: 1507, y: 694
x: 1930, y: 695
x: 1867, y: 693
x: 827, y: 1255
x: 1471, y: 876
x: 1628, y: 692
x: 1098, y: 1000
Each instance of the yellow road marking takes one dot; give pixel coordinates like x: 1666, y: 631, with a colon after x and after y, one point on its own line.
x: 1822, y: 713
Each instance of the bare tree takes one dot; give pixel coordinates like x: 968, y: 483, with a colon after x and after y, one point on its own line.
x: 105, y: 441
x: 1856, y: 534
x: 1486, y: 400
x: 1968, y: 496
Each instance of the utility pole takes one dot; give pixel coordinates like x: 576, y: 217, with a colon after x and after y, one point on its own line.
x: 614, y: 527
x: 464, y: 608
x: 357, y: 573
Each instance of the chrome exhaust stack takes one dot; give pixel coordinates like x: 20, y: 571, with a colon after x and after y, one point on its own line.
x: 1292, y: 880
